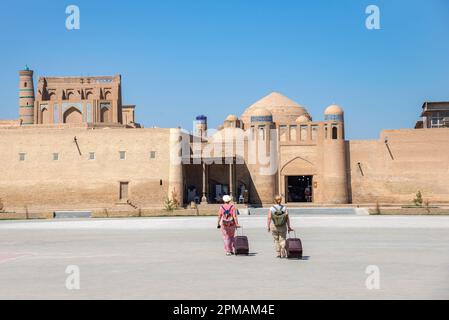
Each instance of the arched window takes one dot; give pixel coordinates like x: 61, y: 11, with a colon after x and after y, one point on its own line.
x: 45, y: 116
x: 293, y: 133
x: 105, y: 115
x: 107, y: 95
x: 25, y: 85
x: 334, y: 133
x: 73, y: 115
x: 261, y: 133
x: 283, y: 133
x: 315, y: 132
x: 303, y: 132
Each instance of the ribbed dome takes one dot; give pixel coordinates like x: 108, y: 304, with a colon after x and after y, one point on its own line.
x: 260, y: 112
x: 282, y: 108
x: 261, y: 115
x: 303, y: 119
x: 232, y: 117
x: 333, y: 110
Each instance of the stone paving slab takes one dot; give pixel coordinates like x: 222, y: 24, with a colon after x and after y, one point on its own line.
x: 182, y: 258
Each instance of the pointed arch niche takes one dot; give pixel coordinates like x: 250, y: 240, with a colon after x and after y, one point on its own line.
x: 73, y: 115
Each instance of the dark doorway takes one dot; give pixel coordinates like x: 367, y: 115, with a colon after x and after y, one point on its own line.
x: 123, y: 191
x: 299, y: 188
x: 217, y: 191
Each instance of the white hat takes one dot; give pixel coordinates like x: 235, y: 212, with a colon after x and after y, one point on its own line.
x: 227, y: 198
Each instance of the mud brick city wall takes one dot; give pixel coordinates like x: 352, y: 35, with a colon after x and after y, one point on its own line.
x: 74, y: 181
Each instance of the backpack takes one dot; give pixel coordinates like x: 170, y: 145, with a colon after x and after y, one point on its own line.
x: 228, y: 219
x: 279, y: 217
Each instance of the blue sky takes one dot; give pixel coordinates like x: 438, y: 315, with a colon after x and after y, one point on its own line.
x: 182, y: 58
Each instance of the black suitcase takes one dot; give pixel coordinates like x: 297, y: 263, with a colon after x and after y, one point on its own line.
x: 293, y: 247
x: 241, y: 245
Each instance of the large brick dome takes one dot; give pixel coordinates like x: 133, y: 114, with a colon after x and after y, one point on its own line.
x: 283, y: 109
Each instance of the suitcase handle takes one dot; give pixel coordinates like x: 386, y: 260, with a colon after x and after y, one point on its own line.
x: 237, y: 230
x: 291, y: 232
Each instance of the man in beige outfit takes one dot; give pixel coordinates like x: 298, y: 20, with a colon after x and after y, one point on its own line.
x: 278, y: 224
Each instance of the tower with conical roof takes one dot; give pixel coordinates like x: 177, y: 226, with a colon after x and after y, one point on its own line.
x: 26, y: 96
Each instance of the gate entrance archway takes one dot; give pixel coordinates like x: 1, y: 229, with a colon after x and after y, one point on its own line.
x: 299, y: 188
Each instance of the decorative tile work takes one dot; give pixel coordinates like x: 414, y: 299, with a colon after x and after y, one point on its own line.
x: 89, y: 112
x: 68, y: 105
x: 105, y: 105
x: 261, y: 119
x: 55, y: 113
x: 333, y: 117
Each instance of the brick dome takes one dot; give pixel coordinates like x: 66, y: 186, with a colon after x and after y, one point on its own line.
x: 282, y: 109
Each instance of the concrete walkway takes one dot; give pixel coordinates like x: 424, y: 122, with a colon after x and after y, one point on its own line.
x: 182, y: 258
x: 331, y: 211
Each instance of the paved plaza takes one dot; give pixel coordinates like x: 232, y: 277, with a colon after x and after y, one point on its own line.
x: 183, y: 258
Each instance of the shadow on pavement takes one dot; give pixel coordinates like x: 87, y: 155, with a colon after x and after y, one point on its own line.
x: 305, y: 258
x: 251, y: 254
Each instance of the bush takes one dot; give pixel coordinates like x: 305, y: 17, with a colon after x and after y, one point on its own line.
x: 169, y: 204
x: 418, y: 201
x: 172, y: 203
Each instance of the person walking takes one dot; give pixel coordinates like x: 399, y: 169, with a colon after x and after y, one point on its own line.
x: 278, y: 224
x: 228, y: 222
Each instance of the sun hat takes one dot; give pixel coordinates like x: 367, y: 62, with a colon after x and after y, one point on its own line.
x: 227, y: 198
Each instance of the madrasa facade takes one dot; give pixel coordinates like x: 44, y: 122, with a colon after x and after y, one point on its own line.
x: 75, y: 145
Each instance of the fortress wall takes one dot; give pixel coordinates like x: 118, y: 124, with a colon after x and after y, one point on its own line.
x: 419, y: 161
x: 74, y: 181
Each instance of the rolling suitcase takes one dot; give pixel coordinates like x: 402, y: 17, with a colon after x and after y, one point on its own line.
x: 241, y: 245
x: 293, y: 246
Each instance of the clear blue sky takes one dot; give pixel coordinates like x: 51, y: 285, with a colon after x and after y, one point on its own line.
x: 182, y: 58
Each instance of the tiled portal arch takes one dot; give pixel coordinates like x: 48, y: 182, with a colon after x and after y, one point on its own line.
x: 73, y: 115
x: 105, y: 113
x: 298, y: 166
